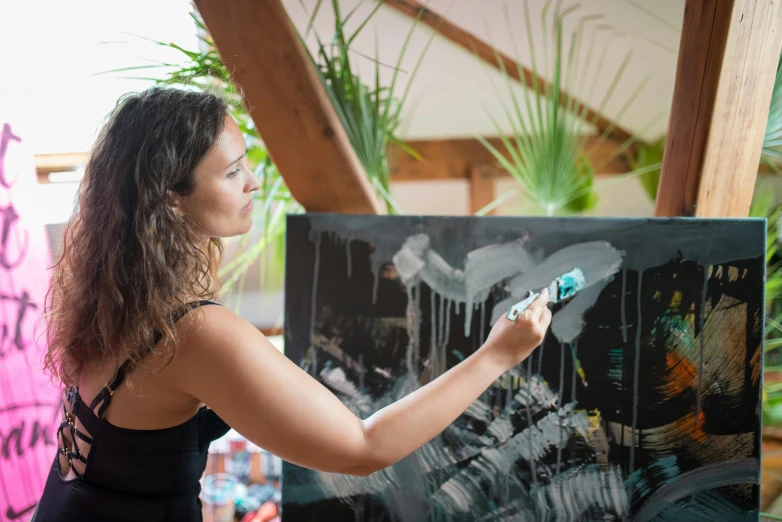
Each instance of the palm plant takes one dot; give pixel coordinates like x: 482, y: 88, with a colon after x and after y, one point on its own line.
x: 547, y: 151
x: 763, y: 205
x: 649, y: 157
x: 370, y: 115
x: 772, y: 140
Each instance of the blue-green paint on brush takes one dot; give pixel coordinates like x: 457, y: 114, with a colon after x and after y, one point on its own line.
x: 563, y: 287
x: 570, y: 283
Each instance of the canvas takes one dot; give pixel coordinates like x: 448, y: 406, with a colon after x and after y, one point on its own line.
x: 643, y: 403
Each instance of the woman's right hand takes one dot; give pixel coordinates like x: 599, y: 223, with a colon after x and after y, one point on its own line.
x: 512, y: 341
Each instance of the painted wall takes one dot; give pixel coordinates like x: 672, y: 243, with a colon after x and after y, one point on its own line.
x: 29, y: 402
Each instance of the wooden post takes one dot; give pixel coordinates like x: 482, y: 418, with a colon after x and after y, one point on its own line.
x: 724, y: 79
x: 289, y: 105
x: 482, y: 191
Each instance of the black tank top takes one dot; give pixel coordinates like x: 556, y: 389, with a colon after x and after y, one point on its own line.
x: 138, y: 475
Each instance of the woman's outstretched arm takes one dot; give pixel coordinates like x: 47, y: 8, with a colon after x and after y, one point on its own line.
x: 226, y: 363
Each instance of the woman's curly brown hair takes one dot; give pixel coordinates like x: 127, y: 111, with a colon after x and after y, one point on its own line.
x: 127, y: 259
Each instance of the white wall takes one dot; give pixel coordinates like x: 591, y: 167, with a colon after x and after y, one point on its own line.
x: 452, y: 197
x: 452, y: 94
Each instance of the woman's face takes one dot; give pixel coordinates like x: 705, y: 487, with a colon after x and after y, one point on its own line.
x: 221, y: 204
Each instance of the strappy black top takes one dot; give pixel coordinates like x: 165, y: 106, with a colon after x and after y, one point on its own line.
x: 138, y: 475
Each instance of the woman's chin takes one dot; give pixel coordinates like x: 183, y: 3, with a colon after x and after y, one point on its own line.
x: 238, y: 228
x: 244, y: 228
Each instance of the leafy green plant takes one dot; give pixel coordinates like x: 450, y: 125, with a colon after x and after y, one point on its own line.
x: 763, y: 205
x: 370, y: 115
x: 772, y: 140
x: 547, y: 151
x: 648, y: 156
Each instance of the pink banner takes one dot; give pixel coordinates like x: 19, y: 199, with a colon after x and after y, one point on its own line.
x: 29, y: 402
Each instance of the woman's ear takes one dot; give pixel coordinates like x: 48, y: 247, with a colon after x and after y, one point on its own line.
x: 174, y: 201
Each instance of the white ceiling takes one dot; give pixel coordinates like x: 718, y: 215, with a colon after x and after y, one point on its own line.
x: 452, y: 91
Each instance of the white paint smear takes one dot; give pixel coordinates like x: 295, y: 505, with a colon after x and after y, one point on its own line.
x: 486, y: 267
x: 356, y: 401
x: 569, y: 496
x: 568, y: 323
x: 597, y: 259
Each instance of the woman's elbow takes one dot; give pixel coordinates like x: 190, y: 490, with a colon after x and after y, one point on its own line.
x: 363, y: 470
x: 369, y: 461
x: 361, y: 459
x: 364, y: 457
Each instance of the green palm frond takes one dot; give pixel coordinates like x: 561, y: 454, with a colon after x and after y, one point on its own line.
x: 369, y: 114
x: 546, y: 150
x: 648, y: 155
x: 772, y: 140
x: 764, y: 205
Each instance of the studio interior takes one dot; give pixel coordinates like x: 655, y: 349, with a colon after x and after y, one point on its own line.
x: 477, y: 260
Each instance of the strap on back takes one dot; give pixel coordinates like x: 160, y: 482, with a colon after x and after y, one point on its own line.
x: 105, y: 394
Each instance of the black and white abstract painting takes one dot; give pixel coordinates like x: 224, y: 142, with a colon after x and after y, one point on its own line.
x: 643, y: 403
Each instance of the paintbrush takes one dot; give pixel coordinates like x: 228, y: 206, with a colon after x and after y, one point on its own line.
x: 563, y: 287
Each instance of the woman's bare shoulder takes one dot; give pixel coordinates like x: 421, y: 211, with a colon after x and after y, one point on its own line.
x: 209, y: 326
x: 214, y: 336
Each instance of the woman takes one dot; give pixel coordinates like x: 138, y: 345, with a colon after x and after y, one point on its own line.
x: 141, y: 347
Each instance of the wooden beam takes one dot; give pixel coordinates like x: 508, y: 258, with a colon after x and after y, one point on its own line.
x: 724, y: 79
x: 486, y: 52
x: 55, y: 162
x: 453, y: 158
x: 289, y: 105
x: 482, y: 190
x: 45, y: 164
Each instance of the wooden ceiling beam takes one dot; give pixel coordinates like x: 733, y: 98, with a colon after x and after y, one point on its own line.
x: 724, y: 80
x: 289, y: 105
x: 55, y: 162
x: 488, y: 54
x: 453, y: 158
x: 45, y: 164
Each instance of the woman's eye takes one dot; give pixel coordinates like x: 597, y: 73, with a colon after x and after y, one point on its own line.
x: 233, y: 173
